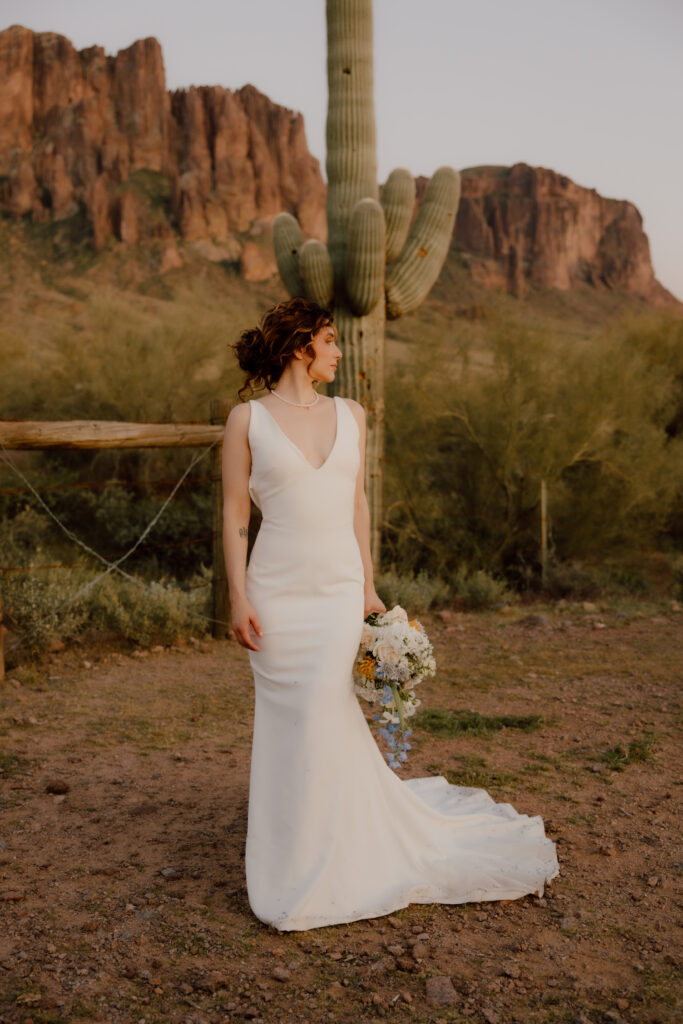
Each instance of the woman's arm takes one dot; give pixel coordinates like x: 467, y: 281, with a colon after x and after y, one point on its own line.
x: 361, y: 517
x: 236, y: 467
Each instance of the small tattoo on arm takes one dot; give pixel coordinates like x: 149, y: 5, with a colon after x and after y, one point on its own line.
x: 244, y: 532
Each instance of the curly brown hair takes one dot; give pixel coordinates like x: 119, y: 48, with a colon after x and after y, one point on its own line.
x: 264, y: 351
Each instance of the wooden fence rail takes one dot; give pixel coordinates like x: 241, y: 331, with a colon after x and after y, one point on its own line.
x: 16, y: 435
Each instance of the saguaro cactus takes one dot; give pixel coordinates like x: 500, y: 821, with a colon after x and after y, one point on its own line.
x: 375, y: 265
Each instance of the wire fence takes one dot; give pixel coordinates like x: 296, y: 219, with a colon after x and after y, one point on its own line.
x: 102, y: 484
x: 115, y: 564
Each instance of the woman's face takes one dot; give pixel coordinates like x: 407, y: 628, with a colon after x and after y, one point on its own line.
x: 327, y: 354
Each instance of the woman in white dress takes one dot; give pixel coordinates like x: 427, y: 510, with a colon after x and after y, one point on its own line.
x: 333, y: 834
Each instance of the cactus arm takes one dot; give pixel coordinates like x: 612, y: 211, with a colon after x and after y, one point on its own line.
x: 287, y: 241
x: 317, y: 276
x: 398, y: 200
x: 413, y: 274
x: 351, y: 161
x: 365, y: 256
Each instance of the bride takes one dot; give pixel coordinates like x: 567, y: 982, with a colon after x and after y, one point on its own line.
x: 333, y: 834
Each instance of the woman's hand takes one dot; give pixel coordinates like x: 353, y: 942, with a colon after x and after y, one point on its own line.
x: 372, y: 602
x: 243, y: 614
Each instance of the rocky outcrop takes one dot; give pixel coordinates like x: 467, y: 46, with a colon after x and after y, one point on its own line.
x: 83, y: 132
x: 79, y: 129
x: 525, y: 226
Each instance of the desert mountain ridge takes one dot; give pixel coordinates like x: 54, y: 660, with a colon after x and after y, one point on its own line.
x: 100, y: 137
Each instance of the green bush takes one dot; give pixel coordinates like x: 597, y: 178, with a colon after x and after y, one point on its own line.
x: 624, y: 579
x: 416, y: 593
x: 34, y: 609
x: 571, y: 579
x: 39, y: 607
x: 110, y: 519
x: 158, y: 613
x: 471, y: 433
x: 576, y: 580
x: 479, y: 589
x: 678, y: 581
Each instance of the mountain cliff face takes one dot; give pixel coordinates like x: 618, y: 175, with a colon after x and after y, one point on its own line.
x: 81, y: 129
x: 527, y: 226
x: 86, y: 133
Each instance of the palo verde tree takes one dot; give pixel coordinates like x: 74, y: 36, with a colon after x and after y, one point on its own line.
x: 378, y: 263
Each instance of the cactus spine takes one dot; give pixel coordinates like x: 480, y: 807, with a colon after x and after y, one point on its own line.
x: 350, y: 274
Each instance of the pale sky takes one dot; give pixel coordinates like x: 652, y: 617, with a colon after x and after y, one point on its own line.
x: 591, y: 89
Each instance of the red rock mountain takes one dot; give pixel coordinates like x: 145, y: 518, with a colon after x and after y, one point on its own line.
x: 79, y: 129
x: 86, y: 133
x: 527, y: 225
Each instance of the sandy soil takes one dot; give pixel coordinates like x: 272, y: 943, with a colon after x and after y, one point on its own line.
x: 124, y: 784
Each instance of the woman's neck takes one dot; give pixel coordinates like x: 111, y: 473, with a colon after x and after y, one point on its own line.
x: 294, y: 390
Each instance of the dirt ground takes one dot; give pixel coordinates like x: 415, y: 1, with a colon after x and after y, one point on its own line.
x: 123, y: 813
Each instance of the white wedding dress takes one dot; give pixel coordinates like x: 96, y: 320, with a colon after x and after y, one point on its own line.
x: 334, y: 835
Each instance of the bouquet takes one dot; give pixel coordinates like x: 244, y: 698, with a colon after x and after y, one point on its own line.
x: 395, y: 654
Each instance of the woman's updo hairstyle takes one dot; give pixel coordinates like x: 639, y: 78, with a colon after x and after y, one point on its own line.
x: 264, y: 351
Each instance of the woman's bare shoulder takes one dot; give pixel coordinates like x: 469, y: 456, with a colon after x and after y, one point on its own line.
x: 356, y: 408
x: 238, y: 417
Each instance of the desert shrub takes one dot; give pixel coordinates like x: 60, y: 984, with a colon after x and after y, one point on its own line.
x: 571, y: 579
x: 42, y: 605
x: 158, y: 613
x: 415, y: 592
x: 125, y: 358
x: 112, y: 517
x: 677, y: 584
x: 469, y: 441
x: 23, y: 535
x: 623, y: 579
x: 575, y: 579
x: 34, y: 607
x: 479, y: 589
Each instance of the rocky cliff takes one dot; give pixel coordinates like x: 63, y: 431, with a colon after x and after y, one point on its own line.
x: 100, y: 136
x: 525, y: 226
x: 82, y: 130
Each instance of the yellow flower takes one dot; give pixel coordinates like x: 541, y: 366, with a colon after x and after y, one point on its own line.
x: 366, y: 667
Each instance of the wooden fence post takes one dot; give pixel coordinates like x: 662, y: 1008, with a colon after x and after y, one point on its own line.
x: 219, y: 582
x: 544, y: 531
x: 2, y: 637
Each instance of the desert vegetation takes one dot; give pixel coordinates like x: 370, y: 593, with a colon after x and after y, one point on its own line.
x: 484, y: 400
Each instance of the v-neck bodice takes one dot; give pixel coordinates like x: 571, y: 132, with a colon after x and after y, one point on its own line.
x: 292, y: 493
x: 296, y: 446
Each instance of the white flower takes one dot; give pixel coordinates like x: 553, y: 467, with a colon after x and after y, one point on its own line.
x: 386, y: 650
x: 367, y: 635
x: 395, y: 614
